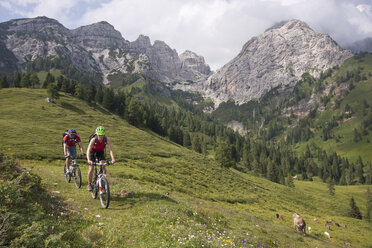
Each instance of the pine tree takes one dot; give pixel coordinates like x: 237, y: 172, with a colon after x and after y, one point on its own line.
x: 186, y: 139
x: 48, y: 80
x: 331, y: 186
x: 290, y: 182
x: 357, y: 136
x: 271, y: 172
x: 99, y: 94
x: 90, y: 92
x: 196, y: 143
x: 53, y: 91
x: 255, y: 168
x: 17, y: 80
x: 60, y: 81
x: 368, y: 215
x: 359, y: 171
x: 34, y: 79
x: 4, y: 82
x: 108, y: 99
x: 80, y: 91
x: 368, y: 174
x: 223, y: 155
x: 135, y: 112
x: 25, y: 81
x: 354, y: 211
x: 204, y: 147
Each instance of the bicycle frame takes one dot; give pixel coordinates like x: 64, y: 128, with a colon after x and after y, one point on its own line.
x: 73, y: 172
x: 101, y: 185
x: 99, y: 176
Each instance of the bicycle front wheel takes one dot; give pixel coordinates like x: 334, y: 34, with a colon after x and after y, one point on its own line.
x: 104, y: 193
x: 77, y: 177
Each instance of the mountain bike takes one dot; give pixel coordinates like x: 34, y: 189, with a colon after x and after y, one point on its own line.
x: 74, y: 172
x: 100, y: 185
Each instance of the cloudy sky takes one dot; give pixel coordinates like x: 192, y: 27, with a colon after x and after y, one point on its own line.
x: 215, y: 29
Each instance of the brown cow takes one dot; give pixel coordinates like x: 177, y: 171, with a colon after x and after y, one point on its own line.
x: 299, y: 223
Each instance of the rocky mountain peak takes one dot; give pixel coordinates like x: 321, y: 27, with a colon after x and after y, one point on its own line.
x: 192, y: 60
x: 101, y: 34
x: 39, y: 26
x: 97, y: 48
x: 143, y: 41
x: 277, y: 57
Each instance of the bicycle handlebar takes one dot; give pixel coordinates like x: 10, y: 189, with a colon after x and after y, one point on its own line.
x: 101, y: 164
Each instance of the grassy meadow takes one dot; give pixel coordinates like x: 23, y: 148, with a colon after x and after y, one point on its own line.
x: 164, y: 195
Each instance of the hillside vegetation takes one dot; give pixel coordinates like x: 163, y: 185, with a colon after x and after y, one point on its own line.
x: 332, y: 113
x: 165, y: 195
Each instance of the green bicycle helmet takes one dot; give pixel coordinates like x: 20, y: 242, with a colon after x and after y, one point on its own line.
x: 100, y: 130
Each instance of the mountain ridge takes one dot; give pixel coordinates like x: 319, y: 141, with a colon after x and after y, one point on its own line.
x: 277, y: 57
x: 97, y: 48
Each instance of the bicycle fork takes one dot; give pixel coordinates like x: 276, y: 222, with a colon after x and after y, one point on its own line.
x: 99, y: 182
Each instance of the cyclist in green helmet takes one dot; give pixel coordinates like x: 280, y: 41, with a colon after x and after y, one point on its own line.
x: 96, y: 150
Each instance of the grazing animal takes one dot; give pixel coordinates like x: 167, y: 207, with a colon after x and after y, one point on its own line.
x: 328, y: 221
x: 327, y: 226
x: 327, y: 234
x: 337, y: 224
x: 299, y: 223
x: 315, y: 219
x: 347, y: 244
x: 344, y: 225
x: 277, y: 216
x: 281, y: 217
x: 309, y: 228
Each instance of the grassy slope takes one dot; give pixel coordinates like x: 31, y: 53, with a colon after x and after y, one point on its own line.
x: 175, y: 194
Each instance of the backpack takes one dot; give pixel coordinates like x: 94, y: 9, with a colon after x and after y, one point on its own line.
x: 95, y: 138
x: 63, y: 136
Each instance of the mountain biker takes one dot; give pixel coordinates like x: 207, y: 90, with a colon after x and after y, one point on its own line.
x: 96, y: 149
x: 69, y: 147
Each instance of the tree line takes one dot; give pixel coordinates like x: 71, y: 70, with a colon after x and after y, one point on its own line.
x: 193, y: 129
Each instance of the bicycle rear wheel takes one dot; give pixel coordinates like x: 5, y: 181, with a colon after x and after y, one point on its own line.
x: 104, y: 193
x: 77, y: 177
x: 67, y: 176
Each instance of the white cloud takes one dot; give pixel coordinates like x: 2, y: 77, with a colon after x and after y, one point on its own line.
x: 215, y: 29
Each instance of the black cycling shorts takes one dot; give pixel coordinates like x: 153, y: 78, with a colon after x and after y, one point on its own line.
x: 97, y: 155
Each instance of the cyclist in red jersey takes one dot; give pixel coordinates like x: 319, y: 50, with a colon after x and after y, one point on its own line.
x: 69, y: 147
x: 96, y: 150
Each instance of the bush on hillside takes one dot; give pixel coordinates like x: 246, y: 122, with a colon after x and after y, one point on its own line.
x: 29, y: 216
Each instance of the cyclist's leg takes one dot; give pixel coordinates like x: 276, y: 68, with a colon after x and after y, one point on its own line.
x: 90, y: 170
x: 67, y: 162
x: 101, y: 159
x: 71, y: 154
x: 90, y: 175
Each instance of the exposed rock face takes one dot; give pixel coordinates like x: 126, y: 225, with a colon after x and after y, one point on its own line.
x: 95, y: 48
x: 192, y: 63
x: 279, y: 56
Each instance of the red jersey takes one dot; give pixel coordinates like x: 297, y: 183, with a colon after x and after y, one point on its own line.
x: 71, y: 141
x: 99, y: 146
